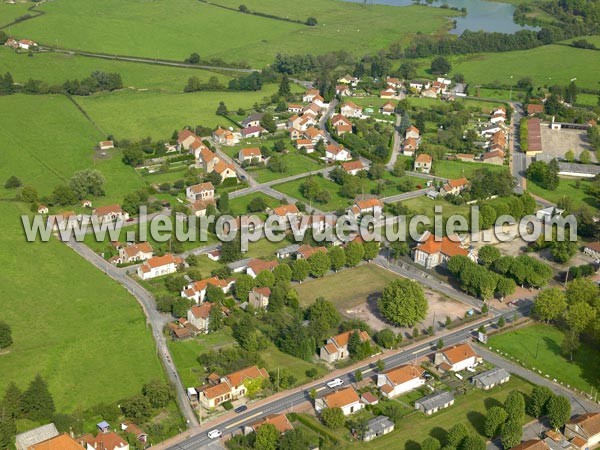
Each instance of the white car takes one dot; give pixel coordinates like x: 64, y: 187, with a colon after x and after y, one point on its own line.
x: 214, y: 434
x: 335, y: 383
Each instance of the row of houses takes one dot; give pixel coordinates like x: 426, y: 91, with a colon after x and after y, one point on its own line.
x: 204, y: 157
x: 47, y: 437
x: 580, y: 433
x: 69, y: 219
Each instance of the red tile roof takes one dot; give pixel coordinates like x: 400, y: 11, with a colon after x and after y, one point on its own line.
x: 458, y: 353
x: 404, y: 373
x: 341, y: 398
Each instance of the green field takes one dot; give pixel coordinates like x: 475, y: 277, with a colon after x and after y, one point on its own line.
x: 566, y: 188
x: 56, y: 68
x: 292, y: 188
x: 58, y: 142
x: 295, y: 164
x: 238, y: 205
x: 364, y: 281
x: 539, y: 346
x: 70, y: 323
x: 137, y: 115
x: 459, y: 169
x: 538, y: 63
x: 186, y: 26
x: 9, y: 12
x: 425, y: 205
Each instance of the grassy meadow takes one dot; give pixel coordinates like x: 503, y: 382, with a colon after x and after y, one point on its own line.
x: 56, y: 68
x: 186, y: 26
x: 539, y: 346
x: 77, y: 328
x: 336, y: 201
x: 135, y: 115
x: 365, y: 280
x: 60, y: 142
x: 567, y: 187
x: 10, y: 12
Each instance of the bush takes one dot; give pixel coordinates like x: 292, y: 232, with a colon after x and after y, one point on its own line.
x: 227, y: 405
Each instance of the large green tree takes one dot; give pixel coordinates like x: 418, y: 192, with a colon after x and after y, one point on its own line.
x: 37, y: 402
x: 319, y: 264
x: 300, y: 270
x: 496, y: 416
x: 515, y: 406
x: 403, y: 303
x: 333, y: 417
x: 5, y: 335
x: 558, y: 410
x: 511, y: 434
x: 536, y: 404
x: 550, y: 304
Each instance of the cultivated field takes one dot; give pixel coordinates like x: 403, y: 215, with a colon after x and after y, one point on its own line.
x: 539, y: 346
x: 61, y: 142
x: 70, y: 323
x: 128, y: 28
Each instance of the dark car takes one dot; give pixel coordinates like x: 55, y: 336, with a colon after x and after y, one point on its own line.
x: 241, y: 409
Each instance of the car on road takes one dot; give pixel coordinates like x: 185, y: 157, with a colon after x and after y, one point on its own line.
x: 335, y: 383
x: 214, y: 434
x: 241, y: 409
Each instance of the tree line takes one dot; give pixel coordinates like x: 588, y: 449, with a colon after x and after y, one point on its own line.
x: 97, y: 82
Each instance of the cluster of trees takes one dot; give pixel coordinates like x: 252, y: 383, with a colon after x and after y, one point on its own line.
x: 268, y: 438
x: 35, y: 403
x: 370, y: 139
x: 505, y: 273
x: 544, y: 174
x: 403, y: 303
x: 155, y: 395
x: 576, y: 311
x: 194, y: 84
x: 252, y: 82
x: 486, y: 183
x: 195, y: 58
x: 308, y: 63
x: 97, y: 82
x: 458, y: 438
x: 5, y: 335
x: 312, y: 190
x: 478, y: 279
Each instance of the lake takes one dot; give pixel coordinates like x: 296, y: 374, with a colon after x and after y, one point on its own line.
x: 481, y: 15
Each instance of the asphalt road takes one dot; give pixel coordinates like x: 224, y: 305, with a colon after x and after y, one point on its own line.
x: 235, y: 424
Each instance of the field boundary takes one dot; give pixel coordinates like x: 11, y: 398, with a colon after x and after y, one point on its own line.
x: 85, y: 114
x: 26, y: 17
x: 255, y: 13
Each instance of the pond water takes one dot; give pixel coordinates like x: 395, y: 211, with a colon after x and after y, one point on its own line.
x: 481, y: 15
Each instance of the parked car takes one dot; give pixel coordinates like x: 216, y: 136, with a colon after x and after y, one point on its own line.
x: 241, y: 409
x: 335, y: 383
x: 214, y: 434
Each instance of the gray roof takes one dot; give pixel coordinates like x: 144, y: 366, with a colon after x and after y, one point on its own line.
x: 252, y: 118
x: 289, y: 249
x: 435, y: 400
x: 379, y: 424
x: 564, y: 167
x: 35, y: 436
x: 239, y: 264
x: 492, y: 376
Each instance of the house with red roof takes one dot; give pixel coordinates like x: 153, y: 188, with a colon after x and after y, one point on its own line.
x: 351, y: 109
x: 584, y: 429
x: 388, y: 93
x: 370, y: 206
x: 196, y: 290
x: 259, y: 297
x: 456, y: 358
x: 336, y: 347
x: 159, y: 266
x: 336, y: 152
x: 110, y: 213
x: 388, y: 109
x: 279, y: 421
x: 434, y: 251
x: 104, y: 441
x: 423, y: 163
x: 454, y: 187
x: 185, y: 138
x: 346, y: 399
x: 135, y: 253
x: 229, y: 387
x: 199, y: 316
x: 256, y: 266
x: 353, y: 167
x: 400, y: 379
x: 412, y: 132
x: 252, y: 154
x: 310, y: 95
x: 252, y: 132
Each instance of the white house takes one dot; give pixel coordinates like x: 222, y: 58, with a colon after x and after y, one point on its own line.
x: 353, y: 167
x: 399, y: 380
x: 159, y: 266
x: 136, y: 252
x: 585, y: 428
x: 456, y: 358
x: 346, y: 399
x: 110, y: 213
x: 196, y: 290
x: 252, y: 154
x: 337, y: 153
x: 310, y: 95
x: 202, y: 191
x: 350, y: 109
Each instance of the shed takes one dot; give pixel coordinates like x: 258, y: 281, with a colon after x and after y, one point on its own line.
x: 490, y: 378
x: 378, y: 426
x: 434, y: 402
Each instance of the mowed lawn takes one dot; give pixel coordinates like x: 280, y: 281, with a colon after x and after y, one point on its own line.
x: 538, y: 64
x: 469, y: 409
x: 347, y: 288
x: 186, y: 26
x: 136, y: 115
x: 566, y: 188
x: 60, y: 142
x: 459, y: 169
x: 239, y: 206
x: 336, y: 201
x: 56, y: 68
x: 295, y: 164
x: 71, y: 323
x: 539, y: 346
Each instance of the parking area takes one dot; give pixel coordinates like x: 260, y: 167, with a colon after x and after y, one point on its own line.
x: 558, y: 142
